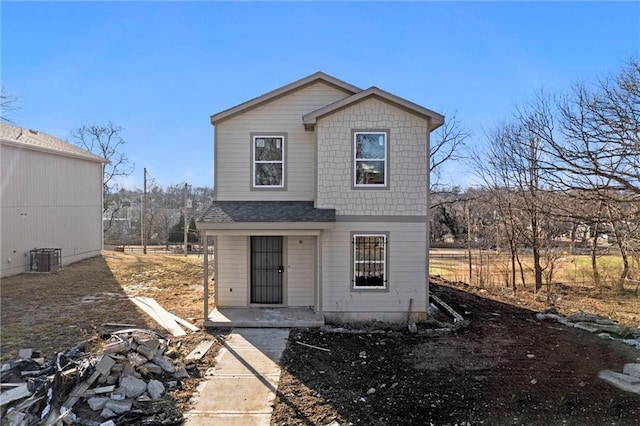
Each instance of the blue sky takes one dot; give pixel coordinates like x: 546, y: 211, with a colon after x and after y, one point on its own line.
x: 160, y: 69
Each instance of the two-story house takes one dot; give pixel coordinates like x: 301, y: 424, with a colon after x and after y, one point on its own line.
x: 321, y: 192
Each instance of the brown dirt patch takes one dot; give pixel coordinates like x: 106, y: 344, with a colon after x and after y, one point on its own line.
x: 506, y: 368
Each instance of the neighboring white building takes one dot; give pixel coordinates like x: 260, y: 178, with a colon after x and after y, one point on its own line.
x: 321, y: 192
x: 50, y: 197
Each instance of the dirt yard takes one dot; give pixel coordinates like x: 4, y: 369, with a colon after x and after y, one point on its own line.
x: 505, y: 368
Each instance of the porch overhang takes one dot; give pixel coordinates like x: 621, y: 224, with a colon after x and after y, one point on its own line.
x: 263, y: 218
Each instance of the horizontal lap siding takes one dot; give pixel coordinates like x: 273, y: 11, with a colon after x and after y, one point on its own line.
x: 300, y: 270
x: 231, y: 277
x: 233, y: 145
x: 406, y: 269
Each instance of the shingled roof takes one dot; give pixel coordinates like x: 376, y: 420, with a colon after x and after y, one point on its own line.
x: 32, y: 139
x: 266, y: 211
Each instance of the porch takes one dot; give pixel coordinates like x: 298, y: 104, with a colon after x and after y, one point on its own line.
x: 264, y: 317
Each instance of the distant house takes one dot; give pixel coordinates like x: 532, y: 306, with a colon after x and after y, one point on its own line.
x: 50, y: 198
x: 321, y: 202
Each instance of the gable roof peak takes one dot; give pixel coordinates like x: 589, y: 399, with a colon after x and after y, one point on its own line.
x: 435, y: 119
x: 348, y: 88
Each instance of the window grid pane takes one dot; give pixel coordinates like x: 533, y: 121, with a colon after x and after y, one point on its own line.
x: 369, y: 255
x: 268, y: 161
x: 370, y: 158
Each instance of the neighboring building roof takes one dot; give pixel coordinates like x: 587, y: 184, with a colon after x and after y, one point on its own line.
x: 285, y: 90
x: 266, y: 211
x: 435, y: 119
x: 32, y: 139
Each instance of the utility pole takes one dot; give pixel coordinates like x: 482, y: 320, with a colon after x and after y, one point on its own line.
x: 186, y: 223
x: 144, y: 213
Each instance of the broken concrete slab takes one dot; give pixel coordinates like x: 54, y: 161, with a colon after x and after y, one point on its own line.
x: 165, y: 363
x: 580, y: 316
x: 105, y: 364
x: 98, y: 402
x: 152, y: 368
x: 155, y: 389
x: 106, y: 413
x: 620, y: 330
x: 621, y: 381
x: 180, y: 373
x: 132, y: 387
x: 632, y: 369
x: 586, y: 326
x: 118, y: 407
x: 136, y: 359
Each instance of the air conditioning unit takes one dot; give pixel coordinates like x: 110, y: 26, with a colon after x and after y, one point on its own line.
x: 46, y: 259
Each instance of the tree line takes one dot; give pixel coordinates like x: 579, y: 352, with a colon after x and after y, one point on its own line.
x: 563, y: 164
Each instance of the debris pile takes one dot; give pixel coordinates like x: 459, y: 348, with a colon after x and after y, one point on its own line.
x: 605, y: 327
x: 628, y: 380
x: 125, y: 382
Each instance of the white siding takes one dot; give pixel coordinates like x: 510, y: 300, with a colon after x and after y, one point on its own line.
x: 300, y: 270
x: 231, y: 276
x: 48, y: 201
x: 233, y: 145
x: 407, y: 256
x: 408, y: 165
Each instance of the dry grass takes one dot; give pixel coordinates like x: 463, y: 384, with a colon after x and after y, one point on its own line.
x: 572, y: 285
x: 50, y: 312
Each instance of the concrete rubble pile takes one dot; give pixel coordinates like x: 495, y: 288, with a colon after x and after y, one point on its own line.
x: 125, y: 382
x: 605, y: 327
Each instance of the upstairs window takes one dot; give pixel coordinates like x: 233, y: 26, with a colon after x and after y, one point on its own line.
x: 370, y: 153
x: 369, y: 261
x: 268, y: 161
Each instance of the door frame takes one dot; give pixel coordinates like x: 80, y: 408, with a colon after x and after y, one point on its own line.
x: 284, y: 303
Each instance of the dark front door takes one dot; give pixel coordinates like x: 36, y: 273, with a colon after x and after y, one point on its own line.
x: 267, y: 270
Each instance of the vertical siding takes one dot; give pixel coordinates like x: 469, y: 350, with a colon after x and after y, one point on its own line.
x: 49, y: 201
x: 407, y: 255
x: 300, y: 270
x: 233, y: 145
x: 408, y: 161
x: 231, y: 278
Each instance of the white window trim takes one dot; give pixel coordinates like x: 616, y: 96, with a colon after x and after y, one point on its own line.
x: 253, y: 147
x: 355, y: 160
x: 355, y: 261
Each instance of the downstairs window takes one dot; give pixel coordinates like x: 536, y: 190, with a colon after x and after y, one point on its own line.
x: 369, y: 261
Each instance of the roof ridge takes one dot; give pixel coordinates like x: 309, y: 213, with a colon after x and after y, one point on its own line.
x: 284, y: 90
x: 36, y: 139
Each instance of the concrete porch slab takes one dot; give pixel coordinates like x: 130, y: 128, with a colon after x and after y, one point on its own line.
x: 264, y: 318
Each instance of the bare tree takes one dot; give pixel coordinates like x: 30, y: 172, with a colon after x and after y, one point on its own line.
x: 8, y: 106
x: 446, y: 145
x: 107, y: 142
x: 597, y: 143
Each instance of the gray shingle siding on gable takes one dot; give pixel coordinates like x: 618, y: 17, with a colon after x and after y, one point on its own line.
x: 266, y: 211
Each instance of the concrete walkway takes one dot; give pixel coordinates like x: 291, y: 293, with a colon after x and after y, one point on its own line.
x: 244, y: 380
